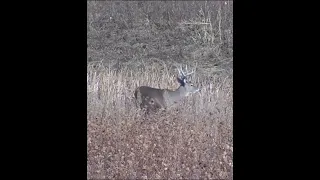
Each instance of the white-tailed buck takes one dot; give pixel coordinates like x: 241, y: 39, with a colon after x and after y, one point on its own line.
x: 153, y: 99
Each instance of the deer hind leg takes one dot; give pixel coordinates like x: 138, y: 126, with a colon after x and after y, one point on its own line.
x: 139, y: 98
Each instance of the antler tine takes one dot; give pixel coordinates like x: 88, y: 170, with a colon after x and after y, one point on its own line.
x: 185, y: 74
x: 181, y: 72
x: 190, y: 73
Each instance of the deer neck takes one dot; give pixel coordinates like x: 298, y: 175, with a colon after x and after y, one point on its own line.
x: 179, y: 93
x: 175, y: 96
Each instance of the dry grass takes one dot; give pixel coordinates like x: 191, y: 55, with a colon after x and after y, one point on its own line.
x: 192, y: 140
x: 139, y: 43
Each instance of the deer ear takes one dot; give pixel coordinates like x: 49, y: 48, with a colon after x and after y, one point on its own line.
x: 181, y: 81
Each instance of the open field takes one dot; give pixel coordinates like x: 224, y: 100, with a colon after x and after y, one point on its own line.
x: 140, y: 43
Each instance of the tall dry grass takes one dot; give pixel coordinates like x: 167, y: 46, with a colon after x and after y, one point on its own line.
x: 133, y: 43
x: 192, y: 140
x: 120, y: 32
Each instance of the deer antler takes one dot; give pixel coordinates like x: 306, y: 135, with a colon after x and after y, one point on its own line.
x: 184, y: 74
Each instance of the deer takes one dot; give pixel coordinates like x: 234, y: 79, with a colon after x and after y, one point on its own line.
x: 153, y: 99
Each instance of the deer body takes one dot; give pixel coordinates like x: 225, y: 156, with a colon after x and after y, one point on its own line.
x: 153, y: 99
